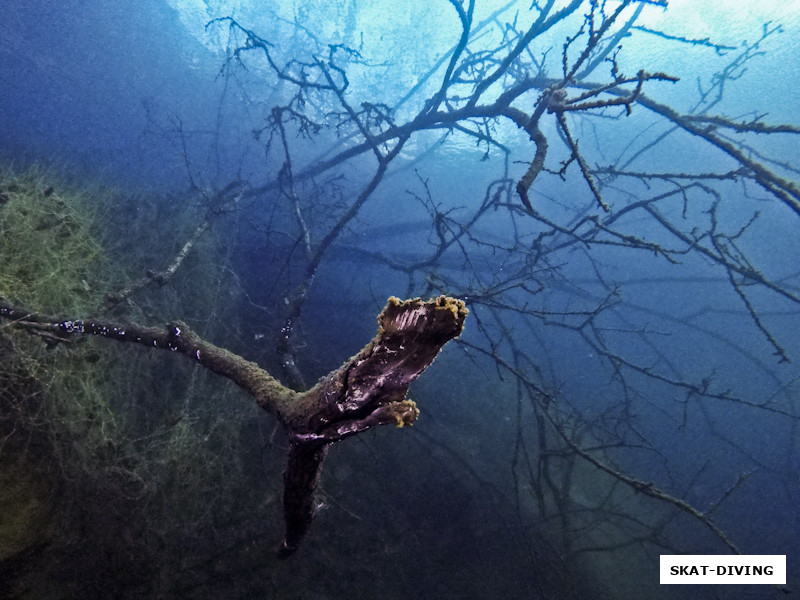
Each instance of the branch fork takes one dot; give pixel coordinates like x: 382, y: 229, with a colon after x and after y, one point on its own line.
x: 369, y: 389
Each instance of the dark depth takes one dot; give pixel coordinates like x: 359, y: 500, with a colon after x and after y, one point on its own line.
x: 611, y: 187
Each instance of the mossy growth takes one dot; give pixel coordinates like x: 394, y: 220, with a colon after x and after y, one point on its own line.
x: 129, y: 446
x: 51, y: 258
x: 51, y: 261
x: 55, y: 422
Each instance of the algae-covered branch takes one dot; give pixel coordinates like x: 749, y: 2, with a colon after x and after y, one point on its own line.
x: 367, y: 390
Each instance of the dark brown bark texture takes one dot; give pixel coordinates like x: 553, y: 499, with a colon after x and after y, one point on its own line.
x: 368, y: 389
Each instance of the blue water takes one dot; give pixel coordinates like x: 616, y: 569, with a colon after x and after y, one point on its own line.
x: 637, y: 344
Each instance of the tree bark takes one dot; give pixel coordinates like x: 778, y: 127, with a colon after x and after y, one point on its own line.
x: 368, y: 389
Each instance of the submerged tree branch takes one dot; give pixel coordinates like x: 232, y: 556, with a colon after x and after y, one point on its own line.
x: 367, y: 390
x: 160, y: 277
x: 483, y: 87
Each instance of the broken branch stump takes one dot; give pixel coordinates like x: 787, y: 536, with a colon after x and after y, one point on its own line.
x: 369, y: 389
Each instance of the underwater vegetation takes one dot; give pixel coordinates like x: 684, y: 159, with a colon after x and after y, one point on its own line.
x: 599, y: 197
x: 73, y: 442
x: 77, y: 426
x: 52, y: 258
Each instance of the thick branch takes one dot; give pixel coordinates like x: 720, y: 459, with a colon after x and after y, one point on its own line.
x: 175, y: 337
x: 410, y: 335
x: 367, y: 390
